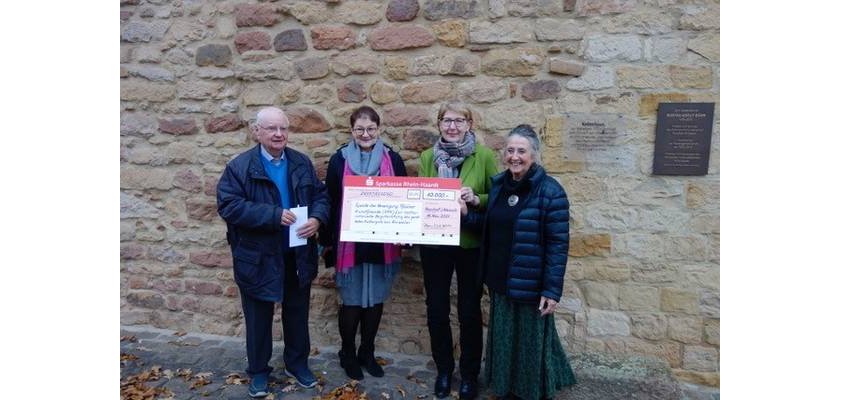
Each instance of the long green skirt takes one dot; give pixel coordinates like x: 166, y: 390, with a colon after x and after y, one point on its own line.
x: 523, y: 355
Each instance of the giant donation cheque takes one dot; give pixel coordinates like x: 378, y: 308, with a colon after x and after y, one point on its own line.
x: 400, y: 209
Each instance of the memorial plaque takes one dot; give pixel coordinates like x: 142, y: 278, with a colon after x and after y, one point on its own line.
x: 682, y: 144
x: 597, y: 140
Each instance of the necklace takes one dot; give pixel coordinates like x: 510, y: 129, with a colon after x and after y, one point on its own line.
x: 512, y: 200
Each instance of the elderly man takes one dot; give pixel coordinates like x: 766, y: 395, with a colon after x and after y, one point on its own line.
x: 254, y: 196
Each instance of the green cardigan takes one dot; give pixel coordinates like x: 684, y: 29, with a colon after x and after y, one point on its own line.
x: 476, y: 172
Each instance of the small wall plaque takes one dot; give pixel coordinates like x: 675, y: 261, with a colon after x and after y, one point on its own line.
x: 682, y: 144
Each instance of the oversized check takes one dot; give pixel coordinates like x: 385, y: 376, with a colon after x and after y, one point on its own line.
x: 400, y: 209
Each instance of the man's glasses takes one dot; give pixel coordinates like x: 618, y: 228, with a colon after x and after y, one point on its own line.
x: 281, y: 129
x: 369, y: 130
x: 459, y: 122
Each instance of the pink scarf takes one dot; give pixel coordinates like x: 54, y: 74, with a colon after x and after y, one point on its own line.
x: 346, y: 254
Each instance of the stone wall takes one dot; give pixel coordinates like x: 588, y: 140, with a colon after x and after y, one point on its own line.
x: 643, y: 277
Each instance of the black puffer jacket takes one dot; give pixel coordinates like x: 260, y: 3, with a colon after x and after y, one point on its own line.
x: 540, y: 241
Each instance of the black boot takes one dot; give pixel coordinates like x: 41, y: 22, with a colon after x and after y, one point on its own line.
x: 370, y: 324
x: 348, y: 322
x: 469, y: 389
x: 443, y: 383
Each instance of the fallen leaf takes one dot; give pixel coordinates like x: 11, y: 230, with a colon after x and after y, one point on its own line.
x: 128, y: 338
x: 180, y: 333
x: 270, y: 396
x: 382, y: 361
x: 314, y: 351
x: 186, y: 373
x: 421, y: 396
x: 201, y: 379
x: 385, y: 395
x: 235, y: 379
x: 290, y: 388
x: 128, y: 357
x: 402, y: 391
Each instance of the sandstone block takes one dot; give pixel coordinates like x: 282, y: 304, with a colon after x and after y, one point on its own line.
x: 187, y: 180
x: 203, y: 288
x: 451, y: 33
x: 711, y: 332
x: 310, y: 12
x: 359, y: 12
x: 306, y: 120
x: 602, y: 7
x: 259, y: 95
x: 589, y: 244
x: 601, y: 323
x: 666, y: 50
x: 142, y: 91
x: 418, y: 139
x: 315, y: 94
x: 651, y: 326
x: 262, y: 14
x: 532, y: 8
x: 355, y: 63
x: 506, y: 116
x: 131, y: 251
x: 134, y: 207
x: 604, y: 296
x: 700, y: 19
x: 702, y: 378
x: 137, y: 31
x: 707, y: 45
x: 146, y: 299
x: 225, y: 123
x: 483, y: 90
x: 553, y: 29
x: 384, y: 92
x: 325, y: 37
x: 566, y: 67
x: 639, y: 298
x: 396, y: 68
x: 594, y: 77
x: 200, y: 90
x: 435, y: 10
x: 152, y: 73
x: 688, y: 77
x: 405, y: 115
x: 402, y: 10
x: 686, y: 329
x: 701, y: 195
x: 137, y: 124
x: 252, y: 41
x: 462, y: 65
x: 352, y: 92
x: 502, y: 31
x: 178, y: 126
x: 496, y: 8
x: 667, y: 351
x: 655, y: 77
x: 201, y: 210
x: 650, y: 102
x: 542, y: 89
x: 516, y: 62
x: 213, y: 54
x: 699, y: 358
x: 425, y: 65
x: 613, y: 48
x: 679, y: 300
x: 426, y: 92
x: 290, y: 40
x: 400, y: 37
x: 312, y: 68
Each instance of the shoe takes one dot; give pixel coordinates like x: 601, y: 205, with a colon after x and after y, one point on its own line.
x: 259, y: 386
x: 368, y: 361
x: 468, y: 390
x: 442, y: 385
x: 305, y: 378
x: 351, y: 365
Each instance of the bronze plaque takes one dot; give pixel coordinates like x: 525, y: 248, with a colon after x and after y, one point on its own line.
x: 682, y: 144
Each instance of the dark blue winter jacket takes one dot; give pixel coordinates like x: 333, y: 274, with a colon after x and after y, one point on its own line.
x: 540, y: 241
x: 249, y: 203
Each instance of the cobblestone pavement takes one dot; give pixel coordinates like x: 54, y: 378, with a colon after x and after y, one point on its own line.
x: 406, y: 376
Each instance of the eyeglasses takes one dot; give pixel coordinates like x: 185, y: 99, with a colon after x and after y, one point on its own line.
x: 459, y: 122
x: 369, y: 130
x: 281, y: 129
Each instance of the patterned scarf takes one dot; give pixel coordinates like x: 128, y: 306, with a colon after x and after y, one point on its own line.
x: 353, y: 156
x: 346, y: 254
x: 448, y: 156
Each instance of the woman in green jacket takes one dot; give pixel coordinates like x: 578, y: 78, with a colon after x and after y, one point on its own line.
x: 456, y: 154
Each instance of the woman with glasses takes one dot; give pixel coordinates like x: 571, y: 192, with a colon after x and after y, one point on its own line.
x: 523, y: 263
x: 365, y: 272
x: 456, y: 154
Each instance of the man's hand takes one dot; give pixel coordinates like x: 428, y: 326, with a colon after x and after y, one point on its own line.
x: 309, y: 228
x: 546, y: 306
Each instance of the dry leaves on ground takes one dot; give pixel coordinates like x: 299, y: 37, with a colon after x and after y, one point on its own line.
x: 180, y: 333
x: 235, y: 379
x: 127, y: 357
x: 128, y: 338
x: 134, y: 386
x: 348, y: 391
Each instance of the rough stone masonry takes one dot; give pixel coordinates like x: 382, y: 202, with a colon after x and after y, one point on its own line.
x: 643, y: 276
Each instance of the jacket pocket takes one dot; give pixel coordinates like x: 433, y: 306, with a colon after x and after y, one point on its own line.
x: 247, y: 265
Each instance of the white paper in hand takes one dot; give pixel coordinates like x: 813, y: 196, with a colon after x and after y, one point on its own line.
x: 300, y: 219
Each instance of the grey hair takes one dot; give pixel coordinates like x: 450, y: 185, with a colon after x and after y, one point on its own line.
x: 262, y: 114
x: 526, y: 131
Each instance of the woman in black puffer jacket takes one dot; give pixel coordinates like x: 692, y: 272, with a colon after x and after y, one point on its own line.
x: 523, y: 260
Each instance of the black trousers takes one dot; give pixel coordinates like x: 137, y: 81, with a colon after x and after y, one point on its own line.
x: 438, y: 264
x: 295, y: 309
